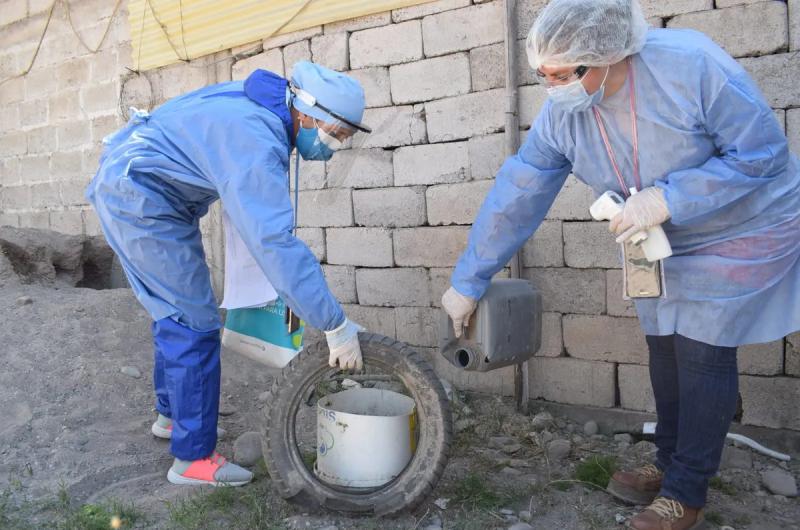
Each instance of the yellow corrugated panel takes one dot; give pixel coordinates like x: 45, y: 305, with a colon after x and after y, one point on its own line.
x: 167, y: 31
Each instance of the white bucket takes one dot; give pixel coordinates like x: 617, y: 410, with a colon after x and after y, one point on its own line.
x: 365, y: 437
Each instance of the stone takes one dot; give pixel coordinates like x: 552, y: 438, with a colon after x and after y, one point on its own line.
x: 735, y: 458
x: 464, y: 424
x: 24, y: 300
x: 429, y: 79
x: 429, y: 246
x: 131, y: 371
x: 635, y: 389
x: 542, y: 421
x: 467, y: 28
x: 393, y: 127
x: 456, y: 203
x: 498, y: 442
x: 774, y: 75
x: 511, y: 448
x: 360, y: 168
x: 623, y: 438
x: 779, y: 482
x: 431, y: 164
x: 558, y: 450
x: 390, y: 207
x: 366, y: 247
x: 264, y: 396
x: 525, y: 515
x: 368, y: 47
x: 590, y: 428
x: 247, y: 449
x: 510, y: 472
x: 465, y: 116
x: 375, y: 81
x: 758, y: 401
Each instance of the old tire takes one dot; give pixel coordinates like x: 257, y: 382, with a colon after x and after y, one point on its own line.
x: 293, y: 480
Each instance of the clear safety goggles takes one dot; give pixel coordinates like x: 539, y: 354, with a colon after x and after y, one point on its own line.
x: 550, y: 80
x: 333, y: 134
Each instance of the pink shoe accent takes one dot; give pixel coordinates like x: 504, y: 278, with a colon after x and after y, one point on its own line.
x: 205, y: 468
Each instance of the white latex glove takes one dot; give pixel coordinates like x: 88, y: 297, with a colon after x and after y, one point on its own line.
x: 459, y: 307
x: 643, y: 210
x: 344, y: 346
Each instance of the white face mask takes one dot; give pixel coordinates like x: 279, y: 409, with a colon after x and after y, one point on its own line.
x: 573, y: 97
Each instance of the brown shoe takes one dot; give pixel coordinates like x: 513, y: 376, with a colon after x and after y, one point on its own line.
x: 639, y: 486
x: 668, y: 514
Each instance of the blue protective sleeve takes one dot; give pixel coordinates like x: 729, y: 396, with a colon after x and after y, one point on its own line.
x: 752, y: 150
x: 524, y: 189
x: 254, y: 190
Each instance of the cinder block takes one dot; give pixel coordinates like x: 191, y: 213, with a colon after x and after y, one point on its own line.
x: 74, y: 74
x: 73, y: 134
x: 288, y: 38
x: 759, y: 405
x: 608, y: 338
x: 428, y: 8
x: 467, y: 28
x: 13, y: 90
x: 342, y: 282
x: 570, y: 290
x: 486, y: 155
x: 39, y: 140
x: 617, y: 306
x: 390, y: 207
x: 374, y: 319
x: 368, y: 47
x: 733, y: 28
x: 34, y: 220
x: 572, y: 381
x: 669, y: 8
x: 393, y: 287
x: 589, y: 245
x: 495, y: 383
x: 333, y: 207
x: 730, y: 3
x: 431, y: 164
x: 794, y: 25
x: 375, y: 82
x: 181, y: 78
x: 271, y: 60
x: 314, y: 238
x: 775, y: 75
x: 14, y: 143
x: 458, y: 204
x: 15, y: 198
x: 66, y: 164
x: 331, y: 50
x: 418, y: 326
x: 35, y: 168
x: 635, y: 389
x: 546, y: 247
x: 429, y: 246
x: 72, y: 192
x: 359, y: 23
x: 572, y: 202
x: 393, y: 126
x: 312, y: 174
x: 361, y: 168
x: 12, y: 11
x: 64, y: 106
x: 105, y: 65
x: 527, y: 11
x: 295, y: 52
x: 430, y: 79
x: 793, y: 130
x: 90, y: 159
x: 487, y: 66
x: 604, y: 338
x: 792, y: 363
x: 102, y: 126
x: 761, y: 359
x: 367, y: 247
x: 10, y: 119
x: 465, y: 116
x: 9, y: 172
x: 91, y: 223
x: 248, y: 50
x: 67, y: 222
x: 45, y: 195
x: 9, y: 219
x: 531, y: 100
x: 552, y: 336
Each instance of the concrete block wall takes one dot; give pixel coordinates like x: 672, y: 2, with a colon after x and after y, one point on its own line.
x: 389, y: 216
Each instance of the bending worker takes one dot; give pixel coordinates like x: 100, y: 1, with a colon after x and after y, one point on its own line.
x: 157, y: 178
x: 668, y: 112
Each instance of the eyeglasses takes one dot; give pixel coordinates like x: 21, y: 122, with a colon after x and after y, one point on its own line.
x: 578, y: 73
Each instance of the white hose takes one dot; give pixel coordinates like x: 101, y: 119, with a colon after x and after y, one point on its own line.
x: 649, y: 427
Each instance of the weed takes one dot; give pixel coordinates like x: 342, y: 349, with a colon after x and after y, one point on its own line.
x: 742, y: 521
x: 475, y: 492
x: 714, y: 517
x: 725, y: 487
x: 101, y: 517
x: 596, y: 470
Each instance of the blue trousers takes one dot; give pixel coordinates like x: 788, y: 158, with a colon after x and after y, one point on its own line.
x: 186, y: 377
x: 696, y: 387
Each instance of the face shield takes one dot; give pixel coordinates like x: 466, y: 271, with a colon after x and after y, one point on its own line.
x: 335, y: 129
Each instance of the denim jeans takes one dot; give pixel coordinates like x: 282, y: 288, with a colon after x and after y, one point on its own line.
x: 696, y: 386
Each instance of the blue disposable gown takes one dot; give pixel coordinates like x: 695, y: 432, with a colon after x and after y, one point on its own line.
x: 710, y: 141
x: 160, y: 173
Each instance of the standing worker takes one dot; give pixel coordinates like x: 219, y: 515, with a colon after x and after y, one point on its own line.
x: 670, y: 113
x: 157, y: 178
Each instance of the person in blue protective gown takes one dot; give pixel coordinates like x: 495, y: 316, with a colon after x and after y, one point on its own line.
x: 670, y: 113
x: 157, y: 177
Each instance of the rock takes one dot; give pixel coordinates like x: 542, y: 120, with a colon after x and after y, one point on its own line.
x: 441, y: 503
x: 226, y: 409
x: 525, y: 516
x: 510, y: 472
x: 779, y: 482
x: 518, y: 463
x: 542, y: 421
x: 623, y: 438
x: 590, y: 428
x: 498, y: 442
x: 464, y: 424
x: 347, y: 384
x: 735, y: 458
x: 577, y: 439
x: 547, y: 436
x: 511, y: 448
x: 619, y: 518
x: 131, y: 371
x: 644, y: 448
x: 507, y: 511
x: 558, y: 450
x: 434, y: 523
x: 263, y: 396
x: 466, y: 410
x: 520, y: 526
x: 247, y: 449
x: 24, y: 300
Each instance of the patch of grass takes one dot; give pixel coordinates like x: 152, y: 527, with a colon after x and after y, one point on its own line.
x: 741, y: 521
x: 474, y: 491
x: 562, y: 485
x: 715, y: 518
x: 101, y: 517
x: 725, y: 487
x: 596, y: 470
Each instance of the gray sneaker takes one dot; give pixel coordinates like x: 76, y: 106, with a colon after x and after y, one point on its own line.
x: 162, y: 428
x: 213, y: 470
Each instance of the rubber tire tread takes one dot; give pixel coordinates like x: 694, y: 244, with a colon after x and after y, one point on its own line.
x: 297, y: 485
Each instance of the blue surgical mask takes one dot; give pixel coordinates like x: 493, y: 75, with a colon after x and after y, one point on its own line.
x: 573, y: 97
x: 310, y: 146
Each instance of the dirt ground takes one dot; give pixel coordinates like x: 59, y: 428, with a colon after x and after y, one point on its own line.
x: 76, y: 449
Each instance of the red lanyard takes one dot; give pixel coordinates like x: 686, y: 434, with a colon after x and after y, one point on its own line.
x: 634, y: 130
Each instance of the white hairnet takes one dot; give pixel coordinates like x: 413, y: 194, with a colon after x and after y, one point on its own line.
x: 586, y: 32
